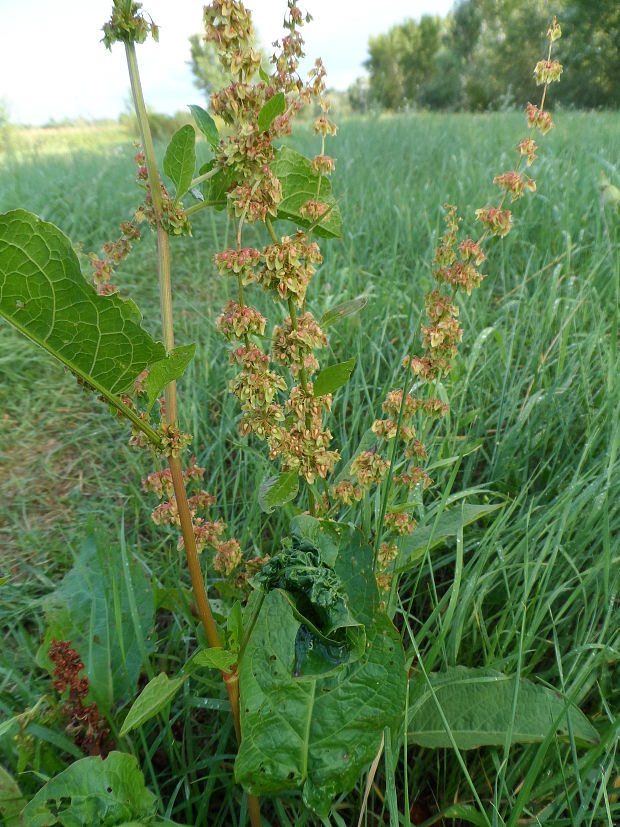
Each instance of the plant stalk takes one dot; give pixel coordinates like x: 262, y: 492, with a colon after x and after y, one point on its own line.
x: 231, y: 679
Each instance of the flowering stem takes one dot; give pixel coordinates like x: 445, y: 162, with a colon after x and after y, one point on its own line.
x: 231, y: 679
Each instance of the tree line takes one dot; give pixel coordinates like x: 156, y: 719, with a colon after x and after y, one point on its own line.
x: 480, y: 57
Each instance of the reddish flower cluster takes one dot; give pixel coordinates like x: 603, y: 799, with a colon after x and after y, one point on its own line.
x: 207, y: 533
x: 304, y: 444
x: 114, y: 252
x: 237, y: 322
x: 85, y: 724
x: 289, y: 266
x: 294, y: 342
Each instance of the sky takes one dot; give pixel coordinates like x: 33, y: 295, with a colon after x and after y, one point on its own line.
x: 53, y: 65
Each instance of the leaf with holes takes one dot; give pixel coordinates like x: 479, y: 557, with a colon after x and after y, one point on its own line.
x: 478, y: 707
x: 180, y: 159
x: 93, y: 791
x: 315, y: 702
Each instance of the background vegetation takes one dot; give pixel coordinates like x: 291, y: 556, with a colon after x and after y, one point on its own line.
x: 480, y: 57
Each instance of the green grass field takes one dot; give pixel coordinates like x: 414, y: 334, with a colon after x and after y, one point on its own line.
x: 534, y: 425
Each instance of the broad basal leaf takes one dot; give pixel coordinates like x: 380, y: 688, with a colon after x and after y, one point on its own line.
x: 333, y: 377
x: 205, y: 124
x: 272, y: 108
x: 299, y: 184
x: 92, y: 791
x: 45, y: 296
x: 180, y: 159
x: 312, y: 733
x: 315, y: 701
x: 276, y: 491
x: 477, y: 705
x: 156, y: 695
x: 106, y: 610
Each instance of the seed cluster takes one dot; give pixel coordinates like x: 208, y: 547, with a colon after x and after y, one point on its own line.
x: 288, y: 418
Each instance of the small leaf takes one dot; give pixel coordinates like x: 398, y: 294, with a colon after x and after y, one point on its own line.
x: 278, y: 490
x: 154, y: 697
x: 180, y: 159
x: 263, y: 75
x: 477, y: 705
x: 11, y: 800
x: 215, y: 189
x: 167, y: 370
x: 271, y: 108
x: 214, y: 658
x: 234, y: 626
x: 347, y: 308
x: 205, y: 124
x: 93, y: 791
x: 333, y: 377
x: 299, y: 184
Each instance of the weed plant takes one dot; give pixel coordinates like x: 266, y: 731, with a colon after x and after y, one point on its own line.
x: 527, y: 590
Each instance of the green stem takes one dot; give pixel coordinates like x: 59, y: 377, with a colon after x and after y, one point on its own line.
x: 163, y: 242
x: 204, y: 177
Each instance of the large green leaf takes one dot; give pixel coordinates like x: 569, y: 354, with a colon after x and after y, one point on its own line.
x: 478, y: 707
x: 92, y: 791
x: 45, y: 296
x: 299, y: 184
x: 105, y: 608
x: 156, y: 695
x: 313, y: 707
x: 414, y: 546
x: 180, y: 159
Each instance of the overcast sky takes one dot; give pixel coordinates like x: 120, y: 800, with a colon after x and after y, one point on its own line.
x: 53, y: 65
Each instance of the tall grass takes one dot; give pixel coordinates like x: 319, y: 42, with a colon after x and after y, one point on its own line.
x: 534, y: 424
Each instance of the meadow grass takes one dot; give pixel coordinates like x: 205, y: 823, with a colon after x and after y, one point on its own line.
x: 534, y: 425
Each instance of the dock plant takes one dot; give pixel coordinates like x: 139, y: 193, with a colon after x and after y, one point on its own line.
x: 314, y: 668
